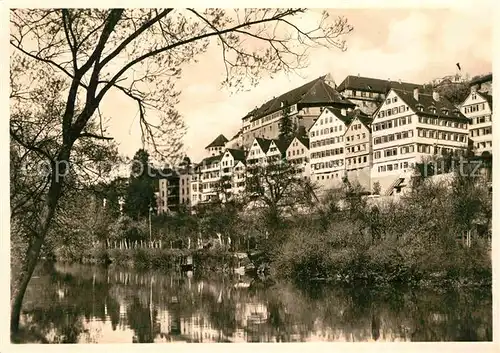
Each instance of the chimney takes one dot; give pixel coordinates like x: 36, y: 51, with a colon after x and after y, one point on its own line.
x: 415, y: 93
x: 399, y: 81
x: 343, y: 111
x: 358, y: 74
x: 435, y: 96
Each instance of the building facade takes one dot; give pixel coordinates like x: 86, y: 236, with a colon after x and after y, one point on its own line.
x: 358, y: 149
x: 409, y: 128
x: 303, y: 105
x: 297, y: 154
x: 233, y: 173
x: 210, y: 177
x: 478, y: 107
x: 168, y: 198
x: 327, y: 148
x: 368, y: 93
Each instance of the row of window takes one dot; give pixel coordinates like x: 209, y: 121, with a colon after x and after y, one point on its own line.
x: 357, y: 148
x: 393, y: 137
x: 327, y: 142
x: 394, y: 151
x: 327, y: 153
x: 480, y: 119
x: 484, y: 144
x: 441, y: 122
x: 389, y: 124
x: 292, y: 153
x: 474, y: 108
x: 355, y: 127
x: 441, y: 135
x: 358, y: 136
x: 350, y: 161
x: 327, y: 130
x: 393, y: 111
x: 481, y: 132
x: 327, y: 176
x: 394, y: 166
x: 329, y: 164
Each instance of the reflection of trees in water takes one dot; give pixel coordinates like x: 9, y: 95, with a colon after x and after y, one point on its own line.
x: 62, y: 301
x: 321, y: 311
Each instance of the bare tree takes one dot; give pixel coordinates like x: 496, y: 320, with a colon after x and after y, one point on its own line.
x: 84, y: 54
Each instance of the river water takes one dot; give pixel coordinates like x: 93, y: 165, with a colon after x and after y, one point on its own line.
x: 86, y: 304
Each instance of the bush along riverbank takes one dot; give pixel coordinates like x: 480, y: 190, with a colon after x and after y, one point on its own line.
x: 349, y: 258
x: 154, y: 258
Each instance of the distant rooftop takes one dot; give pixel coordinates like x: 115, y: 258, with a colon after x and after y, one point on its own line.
x: 368, y: 84
x: 220, y: 141
x: 313, y: 92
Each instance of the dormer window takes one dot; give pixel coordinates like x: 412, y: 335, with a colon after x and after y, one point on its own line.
x: 420, y: 108
x: 444, y: 111
x: 432, y: 110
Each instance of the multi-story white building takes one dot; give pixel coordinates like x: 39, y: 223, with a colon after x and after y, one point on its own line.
x: 185, y: 189
x: 257, y: 153
x: 233, y: 171
x: 304, y: 105
x: 326, y: 147
x: 210, y: 177
x: 297, y: 154
x: 358, y: 149
x: 478, y: 107
x: 196, y: 185
x: 408, y: 128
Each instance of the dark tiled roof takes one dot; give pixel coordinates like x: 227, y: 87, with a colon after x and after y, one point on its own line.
x: 314, y: 92
x: 220, y: 141
x: 363, y: 118
x: 211, y: 159
x: 427, y: 101
x: 377, y: 85
x: 488, y: 98
x: 303, y: 140
x: 482, y: 79
x: 263, y: 143
x: 338, y: 113
x: 282, y: 145
x: 238, y: 155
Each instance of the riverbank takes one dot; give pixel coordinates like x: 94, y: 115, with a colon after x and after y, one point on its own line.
x: 217, y: 260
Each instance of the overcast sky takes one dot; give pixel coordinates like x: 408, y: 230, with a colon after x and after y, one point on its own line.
x: 412, y: 45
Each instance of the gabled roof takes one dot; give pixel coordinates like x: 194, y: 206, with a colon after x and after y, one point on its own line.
x: 220, y: 141
x: 362, y: 117
x: 313, y: 92
x: 377, y: 85
x: 346, y: 119
x: 427, y: 101
x: 488, y: 98
x: 303, y: 140
x: 282, y: 145
x: 238, y: 155
x: 338, y: 113
x: 263, y: 143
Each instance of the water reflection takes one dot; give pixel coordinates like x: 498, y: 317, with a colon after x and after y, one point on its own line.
x: 82, y: 304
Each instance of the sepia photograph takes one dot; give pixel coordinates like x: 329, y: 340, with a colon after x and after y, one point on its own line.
x: 209, y: 175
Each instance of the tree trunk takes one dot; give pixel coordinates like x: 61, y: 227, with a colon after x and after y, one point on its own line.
x: 33, y: 254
